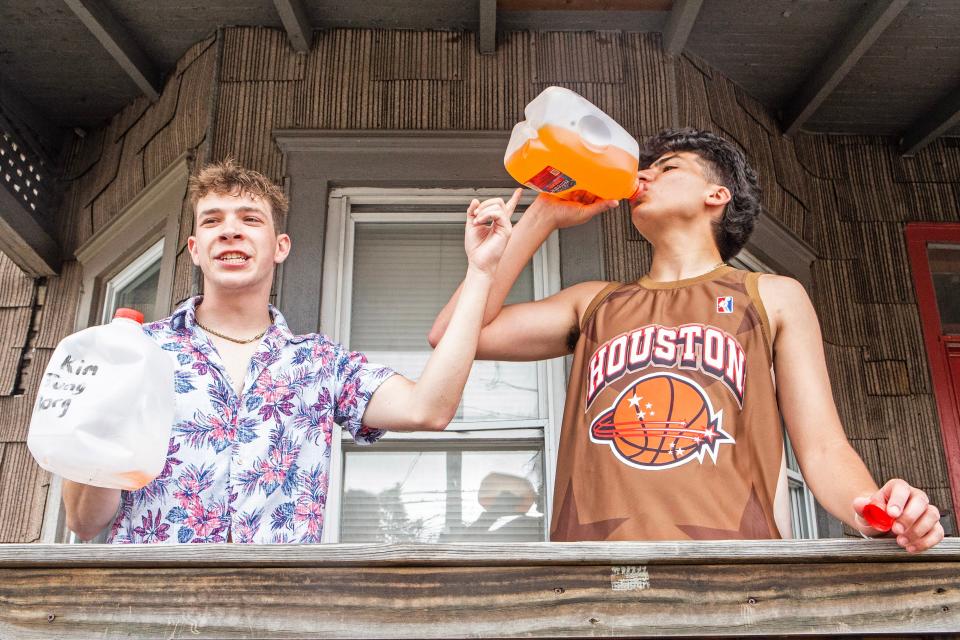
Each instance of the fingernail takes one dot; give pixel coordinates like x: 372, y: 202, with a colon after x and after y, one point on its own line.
x: 893, y: 510
x: 911, y: 549
x: 902, y: 540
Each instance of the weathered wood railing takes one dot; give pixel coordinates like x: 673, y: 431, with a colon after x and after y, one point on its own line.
x: 524, y: 590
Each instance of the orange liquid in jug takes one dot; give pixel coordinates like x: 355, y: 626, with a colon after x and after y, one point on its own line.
x: 558, y: 162
x: 134, y: 480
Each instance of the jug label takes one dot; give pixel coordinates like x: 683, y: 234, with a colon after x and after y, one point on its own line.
x: 551, y: 180
x: 60, y: 386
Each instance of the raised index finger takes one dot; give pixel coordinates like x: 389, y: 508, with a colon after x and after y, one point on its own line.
x: 512, y: 202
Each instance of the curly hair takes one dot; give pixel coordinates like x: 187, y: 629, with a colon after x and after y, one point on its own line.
x: 229, y: 178
x: 725, y: 164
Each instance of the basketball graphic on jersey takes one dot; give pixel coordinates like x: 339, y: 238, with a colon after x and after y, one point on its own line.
x: 662, y: 420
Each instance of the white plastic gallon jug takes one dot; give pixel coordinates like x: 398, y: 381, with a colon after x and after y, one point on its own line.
x: 567, y: 144
x: 104, y: 411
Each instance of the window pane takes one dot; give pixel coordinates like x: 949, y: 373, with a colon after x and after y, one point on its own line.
x: 798, y: 506
x: 792, y: 463
x: 443, y: 495
x: 403, y: 274
x: 945, y: 269
x: 141, y: 293
x: 136, y: 286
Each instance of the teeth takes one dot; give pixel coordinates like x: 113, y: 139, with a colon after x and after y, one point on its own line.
x: 233, y: 257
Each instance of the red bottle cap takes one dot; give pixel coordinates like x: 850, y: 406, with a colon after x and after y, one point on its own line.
x: 129, y: 314
x: 877, y: 517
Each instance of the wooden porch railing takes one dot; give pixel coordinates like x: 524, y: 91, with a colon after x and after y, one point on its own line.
x: 735, y: 588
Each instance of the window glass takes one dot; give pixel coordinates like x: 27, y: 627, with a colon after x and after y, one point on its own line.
x: 141, y: 293
x: 403, y: 274
x: 945, y: 269
x: 136, y: 286
x: 443, y: 494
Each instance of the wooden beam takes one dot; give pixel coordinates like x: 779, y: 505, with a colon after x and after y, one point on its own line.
x: 120, y: 44
x: 296, y: 22
x: 487, y: 41
x: 679, y: 25
x: 838, y: 63
x: 572, y: 590
x: 585, y: 5
x: 24, y: 240
x: 848, y: 551
x: 944, y: 117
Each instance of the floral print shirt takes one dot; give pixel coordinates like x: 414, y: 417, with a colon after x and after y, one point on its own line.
x: 253, y: 467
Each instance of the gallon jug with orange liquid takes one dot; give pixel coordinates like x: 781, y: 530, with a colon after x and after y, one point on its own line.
x: 567, y: 144
x: 104, y: 411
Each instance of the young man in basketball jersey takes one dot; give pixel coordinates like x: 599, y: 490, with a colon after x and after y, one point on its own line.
x: 256, y: 405
x: 672, y: 424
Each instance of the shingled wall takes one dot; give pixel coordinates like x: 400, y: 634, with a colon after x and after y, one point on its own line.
x: 848, y: 197
x: 104, y: 170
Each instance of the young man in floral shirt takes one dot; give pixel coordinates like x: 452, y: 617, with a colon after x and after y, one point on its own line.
x: 249, y: 456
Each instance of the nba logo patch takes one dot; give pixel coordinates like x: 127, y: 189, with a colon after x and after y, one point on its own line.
x: 725, y: 304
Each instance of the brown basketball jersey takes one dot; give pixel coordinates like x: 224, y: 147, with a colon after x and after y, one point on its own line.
x: 671, y: 428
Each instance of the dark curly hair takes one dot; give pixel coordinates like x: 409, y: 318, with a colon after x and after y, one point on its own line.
x: 725, y: 164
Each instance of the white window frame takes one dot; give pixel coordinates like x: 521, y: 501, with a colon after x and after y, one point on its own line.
x: 335, y: 312
x: 794, y: 478
x: 147, y: 227
x: 808, y: 508
x: 154, y: 215
x: 130, y: 273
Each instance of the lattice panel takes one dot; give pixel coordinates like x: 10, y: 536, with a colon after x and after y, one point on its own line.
x: 20, y: 173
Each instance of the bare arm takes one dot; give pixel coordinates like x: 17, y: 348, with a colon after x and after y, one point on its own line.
x: 834, y: 471
x: 538, y: 330
x: 533, y: 330
x: 89, y: 509
x: 431, y: 402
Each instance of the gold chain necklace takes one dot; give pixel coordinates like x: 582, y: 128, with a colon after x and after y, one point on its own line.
x: 225, y: 337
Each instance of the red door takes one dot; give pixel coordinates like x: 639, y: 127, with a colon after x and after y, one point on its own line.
x: 934, y: 251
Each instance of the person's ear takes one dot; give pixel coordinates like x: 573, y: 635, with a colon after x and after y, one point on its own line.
x: 718, y: 195
x: 283, y: 248
x: 194, y: 250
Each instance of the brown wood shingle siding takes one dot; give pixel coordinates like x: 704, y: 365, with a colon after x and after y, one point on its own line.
x: 17, y: 293
x: 105, y: 170
x: 23, y: 485
x: 23, y: 494
x: 848, y: 197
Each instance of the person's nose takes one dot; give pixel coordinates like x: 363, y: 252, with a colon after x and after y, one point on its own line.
x: 230, y: 228
x: 646, y: 175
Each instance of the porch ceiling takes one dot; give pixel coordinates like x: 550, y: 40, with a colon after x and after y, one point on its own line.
x: 878, y: 67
